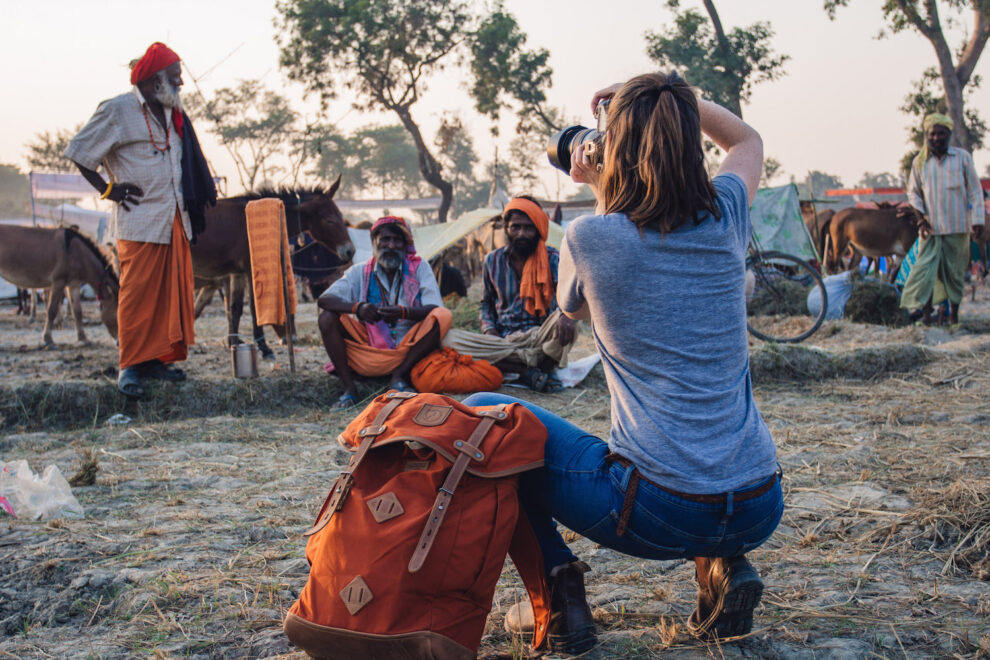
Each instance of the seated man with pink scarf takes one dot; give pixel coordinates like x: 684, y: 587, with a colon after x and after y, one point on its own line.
x: 384, y: 315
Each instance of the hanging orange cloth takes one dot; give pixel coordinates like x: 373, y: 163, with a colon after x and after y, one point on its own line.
x: 536, y: 284
x: 267, y: 241
x: 155, y: 307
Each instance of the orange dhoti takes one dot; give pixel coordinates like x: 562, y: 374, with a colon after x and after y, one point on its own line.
x: 368, y: 361
x: 155, y: 309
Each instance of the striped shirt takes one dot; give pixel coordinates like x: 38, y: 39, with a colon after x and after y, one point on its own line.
x: 117, y: 137
x: 501, y: 307
x: 947, y: 190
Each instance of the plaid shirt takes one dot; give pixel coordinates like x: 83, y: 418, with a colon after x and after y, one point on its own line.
x: 117, y: 137
x: 948, y: 191
x: 501, y: 306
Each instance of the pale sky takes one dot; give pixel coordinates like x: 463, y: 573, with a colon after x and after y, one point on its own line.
x: 836, y: 110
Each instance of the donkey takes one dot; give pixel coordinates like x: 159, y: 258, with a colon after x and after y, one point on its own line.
x: 881, y: 232
x: 56, y: 258
x: 222, y: 248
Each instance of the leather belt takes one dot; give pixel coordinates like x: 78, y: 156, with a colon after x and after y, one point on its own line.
x: 636, y: 477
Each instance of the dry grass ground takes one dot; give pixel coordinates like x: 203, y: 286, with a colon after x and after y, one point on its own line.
x: 191, y: 545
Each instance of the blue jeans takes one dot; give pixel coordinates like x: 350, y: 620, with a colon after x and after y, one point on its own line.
x: 585, y: 492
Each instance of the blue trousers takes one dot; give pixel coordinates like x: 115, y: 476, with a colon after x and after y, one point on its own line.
x: 583, y: 490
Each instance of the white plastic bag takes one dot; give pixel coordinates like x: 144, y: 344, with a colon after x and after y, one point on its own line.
x: 33, y: 497
x: 839, y: 288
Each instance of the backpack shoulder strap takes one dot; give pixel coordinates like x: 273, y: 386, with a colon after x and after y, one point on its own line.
x: 525, y: 552
x: 342, y: 485
x: 468, y: 451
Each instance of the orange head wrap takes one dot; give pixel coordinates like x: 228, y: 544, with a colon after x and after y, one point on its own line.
x: 157, y: 57
x: 536, y: 286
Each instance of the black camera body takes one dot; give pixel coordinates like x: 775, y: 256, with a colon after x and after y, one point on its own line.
x: 562, y: 142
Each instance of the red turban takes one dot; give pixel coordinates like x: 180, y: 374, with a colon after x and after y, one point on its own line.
x: 157, y: 57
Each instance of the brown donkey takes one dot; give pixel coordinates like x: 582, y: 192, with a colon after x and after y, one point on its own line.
x: 56, y: 258
x: 881, y: 232
x: 222, y: 249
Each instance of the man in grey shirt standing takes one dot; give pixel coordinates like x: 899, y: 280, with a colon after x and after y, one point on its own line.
x: 140, y: 139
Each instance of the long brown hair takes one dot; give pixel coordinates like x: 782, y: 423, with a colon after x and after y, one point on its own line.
x: 654, y: 163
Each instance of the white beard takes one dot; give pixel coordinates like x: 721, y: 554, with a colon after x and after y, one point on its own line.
x: 166, y: 93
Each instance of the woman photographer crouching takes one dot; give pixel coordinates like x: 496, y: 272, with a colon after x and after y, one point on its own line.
x: 689, y: 470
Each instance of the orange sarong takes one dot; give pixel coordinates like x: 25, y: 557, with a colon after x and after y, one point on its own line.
x: 368, y: 361
x: 155, y: 309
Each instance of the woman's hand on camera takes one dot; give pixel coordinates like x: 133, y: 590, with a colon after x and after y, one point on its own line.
x: 602, y: 94
x: 582, y: 169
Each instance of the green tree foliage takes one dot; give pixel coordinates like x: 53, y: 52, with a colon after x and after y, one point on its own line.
x: 879, y: 180
x: 928, y: 97
x: 820, y: 182
x: 254, y: 124
x: 15, y: 193
x: 384, y: 159
x: 725, y: 66
x: 502, y: 69
x: 771, y: 170
x: 46, y: 149
x: 386, y: 51
x: 954, y: 70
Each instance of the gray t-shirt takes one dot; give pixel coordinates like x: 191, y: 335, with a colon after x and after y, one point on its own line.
x: 669, y: 320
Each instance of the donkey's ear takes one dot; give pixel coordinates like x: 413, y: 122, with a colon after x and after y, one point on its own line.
x: 334, y: 186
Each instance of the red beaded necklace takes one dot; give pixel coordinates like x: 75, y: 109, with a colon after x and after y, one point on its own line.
x: 152, y: 135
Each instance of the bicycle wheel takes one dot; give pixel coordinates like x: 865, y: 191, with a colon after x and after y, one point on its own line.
x: 777, y: 289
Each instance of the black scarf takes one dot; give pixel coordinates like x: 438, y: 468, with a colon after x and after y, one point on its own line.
x: 198, y: 189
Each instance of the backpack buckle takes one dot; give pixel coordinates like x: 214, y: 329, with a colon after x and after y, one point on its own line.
x: 471, y: 452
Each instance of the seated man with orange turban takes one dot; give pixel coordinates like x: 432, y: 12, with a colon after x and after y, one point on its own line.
x: 384, y: 315
x: 161, y: 184
x: 524, y: 331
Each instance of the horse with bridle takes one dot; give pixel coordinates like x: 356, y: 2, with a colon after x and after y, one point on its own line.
x: 222, y: 249
x: 60, y: 258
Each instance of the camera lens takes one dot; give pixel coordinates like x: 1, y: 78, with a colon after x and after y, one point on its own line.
x: 561, y: 143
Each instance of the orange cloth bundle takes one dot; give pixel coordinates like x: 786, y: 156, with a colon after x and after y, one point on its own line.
x: 266, y: 231
x: 446, y: 370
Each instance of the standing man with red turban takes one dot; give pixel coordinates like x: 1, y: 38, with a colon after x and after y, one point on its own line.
x: 161, y: 184
x: 524, y: 331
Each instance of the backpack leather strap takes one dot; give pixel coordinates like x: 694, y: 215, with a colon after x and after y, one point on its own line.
x: 342, y: 485
x: 467, y: 452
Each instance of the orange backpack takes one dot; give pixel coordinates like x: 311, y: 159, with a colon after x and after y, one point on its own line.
x: 446, y: 370
x: 409, y: 544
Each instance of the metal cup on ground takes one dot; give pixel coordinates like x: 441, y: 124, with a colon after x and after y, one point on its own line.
x: 244, y: 360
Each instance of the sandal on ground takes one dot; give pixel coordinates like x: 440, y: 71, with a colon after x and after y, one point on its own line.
x: 535, y: 379
x: 553, y: 385
x: 346, y: 400
x: 402, y: 386
x: 157, y: 369
x: 129, y: 383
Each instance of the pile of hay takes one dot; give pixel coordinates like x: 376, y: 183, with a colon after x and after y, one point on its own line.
x: 784, y: 362
x: 787, y: 298
x: 956, y: 519
x: 465, y: 312
x: 876, y: 302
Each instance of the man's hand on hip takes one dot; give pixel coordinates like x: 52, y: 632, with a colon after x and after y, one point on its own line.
x: 125, y: 193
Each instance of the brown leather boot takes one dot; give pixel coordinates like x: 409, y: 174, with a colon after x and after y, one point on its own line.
x: 729, y: 589
x: 571, y: 629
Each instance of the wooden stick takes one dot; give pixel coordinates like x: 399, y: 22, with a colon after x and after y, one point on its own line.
x: 283, y: 258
